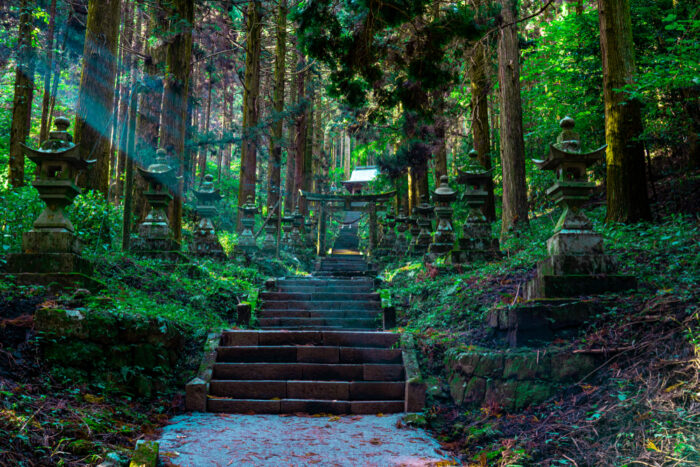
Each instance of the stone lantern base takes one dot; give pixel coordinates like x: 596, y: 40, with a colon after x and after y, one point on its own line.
x: 208, y: 246
x: 577, y: 265
x: 476, y: 249
x: 52, y: 259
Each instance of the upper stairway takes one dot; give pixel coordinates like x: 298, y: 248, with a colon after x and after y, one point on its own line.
x: 320, y: 303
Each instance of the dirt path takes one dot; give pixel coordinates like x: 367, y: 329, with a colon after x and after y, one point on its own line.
x: 272, y: 440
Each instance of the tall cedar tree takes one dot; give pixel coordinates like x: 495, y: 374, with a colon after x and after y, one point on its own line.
x: 626, y: 176
x: 512, y: 142
x: 275, y: 163
x: 48, y: 70
x: 96, y: 96
x: 24, y: 94
x: 173, y: 124
x: 480, y: 88
x: 251, y: 94
x: 300, y: 132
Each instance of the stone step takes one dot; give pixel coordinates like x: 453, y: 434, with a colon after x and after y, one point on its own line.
x: 378, y: 339
x: 363, y: 323
x: 309, y: 371
x: 318, y: 296
x: 310, y: 406
x: 307, y: 354
x: 289, y: 288
x: 318, y: 314
x: 309, y: 280
x: 321, y: 305
x: 367, y: 273
x: 295, y: 389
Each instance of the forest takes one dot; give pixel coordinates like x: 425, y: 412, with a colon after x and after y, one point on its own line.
x: 489, y: 208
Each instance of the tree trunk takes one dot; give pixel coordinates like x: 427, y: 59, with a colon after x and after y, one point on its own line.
x: 511, y: 115
x: 275, y: 163
x: 173, y: 123
x: 626, y: 176
x: 307, y: 177
x: 251, y: 93
x: 96, y: 95
x: 480, y: 120
x: 207, y: 124
x: 134, y: 41
x: 24, y: 94
x: 300, y: 131
x: 48, y: 70
x: 149, y: 106
x: 291, y: 138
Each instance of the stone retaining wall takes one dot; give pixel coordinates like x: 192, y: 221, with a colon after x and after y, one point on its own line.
x: 134, y: 353
x: 514, y: 378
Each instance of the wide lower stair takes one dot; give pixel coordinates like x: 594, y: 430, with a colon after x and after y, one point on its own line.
x: 335, y: 372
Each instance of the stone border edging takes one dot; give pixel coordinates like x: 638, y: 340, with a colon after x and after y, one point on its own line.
x: 197, y: 388
x: 415, y: 385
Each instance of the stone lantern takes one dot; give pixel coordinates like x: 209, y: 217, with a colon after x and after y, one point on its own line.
x: 269, y: 243
x: 444, y: 239
x: 287, y: 226
x: 476, y: 242
x: 424, y: 212
x: 310, y: 229
x: 413, y: 227
x: 50, y: 248
x: 154, y: 232
x: 246, y: 240
x: 576, y: 258
x: 401, y: 244
x: 390, y: 233
x: 297, y: 226
x: 205, y: 242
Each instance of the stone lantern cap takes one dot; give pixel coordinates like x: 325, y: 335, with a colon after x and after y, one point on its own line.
x: 58, y: 157
x: 207, y: 194
x: 249, y: 207
x: 565, y: 157
x: 424, y: 208
x: 444, y: 193
x: 159, y: 172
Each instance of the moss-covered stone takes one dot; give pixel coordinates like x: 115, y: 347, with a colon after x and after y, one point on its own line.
x: 77, y: 353
x: 458, y: 387
x: 526, y: 365
x: 475, y: 391
x: 145, y: 454
x: 567, y: 366
x: 530, y: 393
x: 61, y: 322
x: 120, y: 356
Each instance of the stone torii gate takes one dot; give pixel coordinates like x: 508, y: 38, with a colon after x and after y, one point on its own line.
x: 357, y: 202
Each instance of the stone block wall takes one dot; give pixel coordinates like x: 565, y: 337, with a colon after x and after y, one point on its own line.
x: 514, y: 378
x: 133, y: 353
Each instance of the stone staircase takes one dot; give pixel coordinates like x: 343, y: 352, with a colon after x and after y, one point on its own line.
x: 318, y: 349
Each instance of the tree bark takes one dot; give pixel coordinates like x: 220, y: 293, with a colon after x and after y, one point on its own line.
x: 134, y: 41
x: 275, y: 163
x: 96, y: 94
x: 480, y: 120
x: 300, y: 130
x: 251, y: 93
x: 626, y: 183
x: 291, y: 138
x: 48, y: 70
x: 173, y: 125
x: 24, y: 94
x: 512, y: 143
